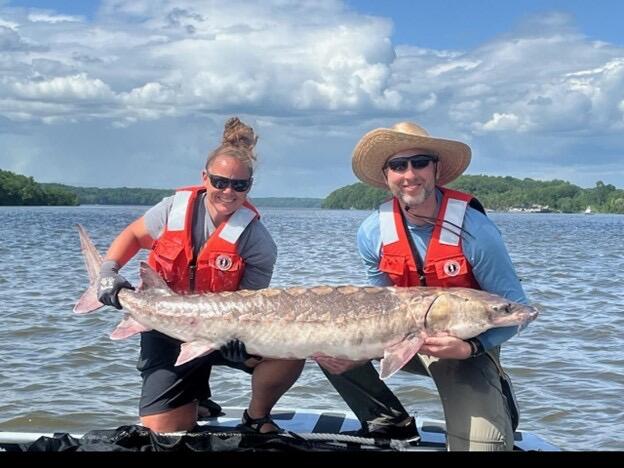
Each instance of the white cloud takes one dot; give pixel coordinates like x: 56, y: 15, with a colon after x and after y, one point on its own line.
x: 76, y: 87
x: 51, y: 18
x: 459, y: 65
x: 8, y: 24
x: 306, y: 70
x: 144, y: 59
x: 286, y: 56
x: 501, y: 122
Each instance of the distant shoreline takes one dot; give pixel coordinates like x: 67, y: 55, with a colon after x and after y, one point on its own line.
x: 493, y: 192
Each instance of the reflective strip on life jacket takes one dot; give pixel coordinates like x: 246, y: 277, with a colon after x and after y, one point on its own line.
x: 453, y: 217
x: 237, y: 223
x: 387, y: 226
x: 177, y: 215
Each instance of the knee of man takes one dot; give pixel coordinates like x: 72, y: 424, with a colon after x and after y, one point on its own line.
x: 483, y: 438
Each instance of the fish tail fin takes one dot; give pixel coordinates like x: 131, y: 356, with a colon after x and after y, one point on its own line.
x: 88, y: 302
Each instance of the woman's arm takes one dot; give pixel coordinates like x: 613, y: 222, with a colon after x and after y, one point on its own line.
x: 128, y: 242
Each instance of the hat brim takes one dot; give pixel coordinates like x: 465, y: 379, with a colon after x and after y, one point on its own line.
x: 372, y: 151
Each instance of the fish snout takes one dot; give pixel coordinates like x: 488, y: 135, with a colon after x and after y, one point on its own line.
x: 511, y: 313
x: 530, y: 314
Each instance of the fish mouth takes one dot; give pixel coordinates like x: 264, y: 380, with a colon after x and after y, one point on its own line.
x: 530, y: 315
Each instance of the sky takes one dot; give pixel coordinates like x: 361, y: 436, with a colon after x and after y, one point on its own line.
x: 112, y: 93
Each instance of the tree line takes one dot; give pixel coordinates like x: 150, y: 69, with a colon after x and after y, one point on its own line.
x: 115, y: 196
x: 16, y: 189
x: 500, y: 193
x: 494, y: 192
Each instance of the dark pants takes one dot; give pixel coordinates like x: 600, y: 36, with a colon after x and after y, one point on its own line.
x: 167, y: 386
x: 372, y: 402
x: 476, y: 397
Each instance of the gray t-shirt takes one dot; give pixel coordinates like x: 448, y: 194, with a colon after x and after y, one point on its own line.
x: 255, y: 245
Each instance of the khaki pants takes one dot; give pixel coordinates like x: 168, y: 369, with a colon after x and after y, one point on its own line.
x: 478, y: 413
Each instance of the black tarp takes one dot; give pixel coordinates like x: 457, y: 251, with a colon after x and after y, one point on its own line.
x: 134, y: 438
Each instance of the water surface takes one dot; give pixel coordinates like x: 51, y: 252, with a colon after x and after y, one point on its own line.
x: 60, y: 372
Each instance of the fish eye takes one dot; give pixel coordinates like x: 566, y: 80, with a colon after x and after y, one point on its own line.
x: 505, y: 308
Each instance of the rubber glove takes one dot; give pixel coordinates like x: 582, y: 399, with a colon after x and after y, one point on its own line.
x: 234, y: 350
x: 110, y: 282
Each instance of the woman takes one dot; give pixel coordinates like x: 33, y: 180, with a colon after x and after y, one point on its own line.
x: 206, y: 238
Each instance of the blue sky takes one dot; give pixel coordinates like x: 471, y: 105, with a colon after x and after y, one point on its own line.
x: 135, y: 92
x: 462, y: 24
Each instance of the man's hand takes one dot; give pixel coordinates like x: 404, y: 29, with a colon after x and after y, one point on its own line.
x: 446, y: 347
x: 235, y: 351
x: 110, y: 282
x: 336, y: 365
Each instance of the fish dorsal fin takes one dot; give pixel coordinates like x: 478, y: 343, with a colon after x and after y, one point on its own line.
x: 150, y: 280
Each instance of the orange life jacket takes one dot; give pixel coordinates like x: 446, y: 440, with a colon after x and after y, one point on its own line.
x: 445, y: 263
x: 218, y: 266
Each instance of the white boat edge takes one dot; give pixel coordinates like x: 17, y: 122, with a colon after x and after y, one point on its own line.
x: 308, y: 422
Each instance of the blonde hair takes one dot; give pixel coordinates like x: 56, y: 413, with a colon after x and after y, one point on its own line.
x: 239, y: 140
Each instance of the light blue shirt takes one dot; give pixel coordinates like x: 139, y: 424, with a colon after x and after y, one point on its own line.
x: 483, y: 247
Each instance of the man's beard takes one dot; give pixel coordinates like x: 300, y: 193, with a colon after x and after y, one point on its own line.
x: 412, y: 201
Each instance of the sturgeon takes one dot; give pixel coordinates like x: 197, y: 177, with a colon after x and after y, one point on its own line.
x: 349, y: 322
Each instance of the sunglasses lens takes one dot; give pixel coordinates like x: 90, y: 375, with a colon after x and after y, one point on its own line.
x: 420, y: 163
x: 240, y: 185
x: 398, y: 165
x: 221, y: 183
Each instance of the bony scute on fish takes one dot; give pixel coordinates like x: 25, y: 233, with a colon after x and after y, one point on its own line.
x: 350, y: 322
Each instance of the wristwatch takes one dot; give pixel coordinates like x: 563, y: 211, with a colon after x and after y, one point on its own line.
x: 476, y: 347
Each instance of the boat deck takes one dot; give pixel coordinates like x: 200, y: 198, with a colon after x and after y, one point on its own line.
x: 326, y: 428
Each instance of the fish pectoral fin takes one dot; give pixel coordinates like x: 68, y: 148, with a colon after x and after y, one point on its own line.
x: 127, y: 327
x: 397, y: 355
x: 193, y: 350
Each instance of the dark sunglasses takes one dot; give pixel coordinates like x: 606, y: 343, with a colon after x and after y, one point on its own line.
x: 221, y: 183
x: 418, y: 161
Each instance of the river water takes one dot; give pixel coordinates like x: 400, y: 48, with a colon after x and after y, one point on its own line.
x: 60, y: 372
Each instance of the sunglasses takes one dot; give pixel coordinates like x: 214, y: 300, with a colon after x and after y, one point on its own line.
x: 221, y: 183
x: 418, y: 161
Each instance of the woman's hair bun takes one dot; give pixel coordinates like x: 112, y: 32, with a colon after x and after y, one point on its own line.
x: 237, y: 133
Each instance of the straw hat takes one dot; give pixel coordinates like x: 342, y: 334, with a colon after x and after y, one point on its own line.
x: 374, y: 148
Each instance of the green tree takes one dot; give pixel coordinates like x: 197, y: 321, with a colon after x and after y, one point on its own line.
x: 16, y: 189
x: 500, y: 193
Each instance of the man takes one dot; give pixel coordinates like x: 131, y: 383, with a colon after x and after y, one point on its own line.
x: 428, y: 235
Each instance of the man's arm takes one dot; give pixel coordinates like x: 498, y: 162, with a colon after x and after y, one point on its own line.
x: 485, y: 250
x: 369, y: 246
x: 493, y: 270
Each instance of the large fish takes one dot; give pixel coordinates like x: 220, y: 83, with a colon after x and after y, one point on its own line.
x: 348, y: 322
